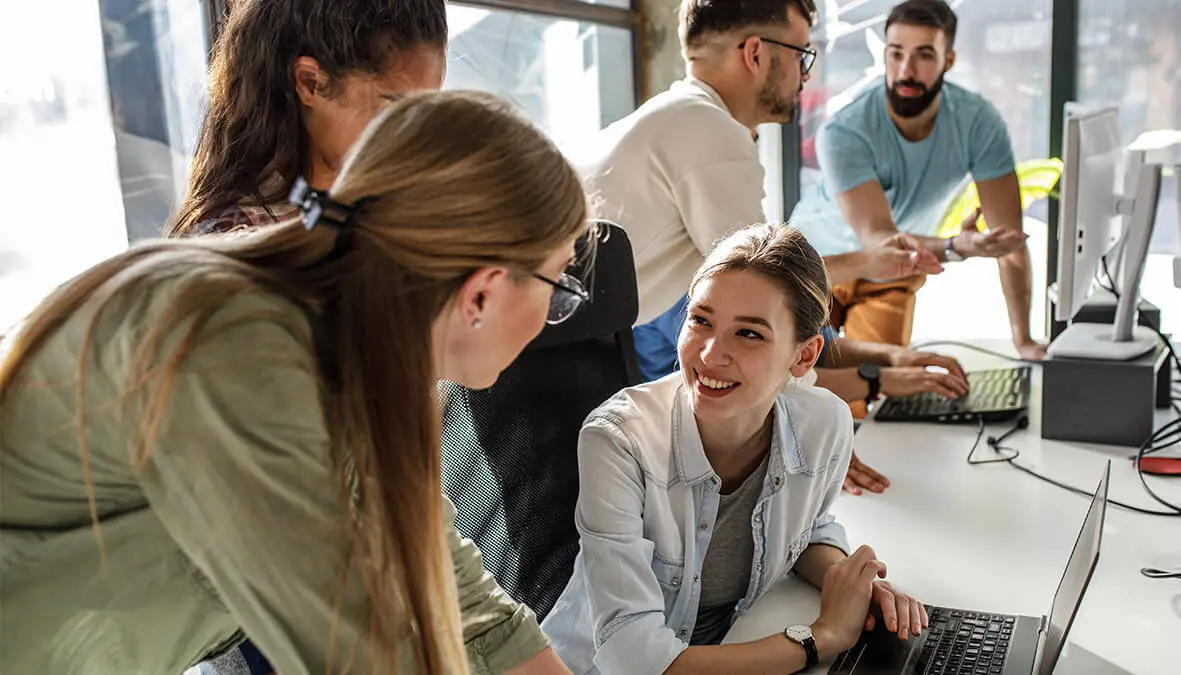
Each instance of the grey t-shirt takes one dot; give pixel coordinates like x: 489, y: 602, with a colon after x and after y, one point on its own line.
x: 725, y: 573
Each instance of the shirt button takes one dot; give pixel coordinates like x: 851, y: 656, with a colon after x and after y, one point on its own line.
x: 696, y: 578
x: 682, y: 632
x: 676, y: 581
x: 759, y: 565
x: 777, y: 481
x: 705, y: 526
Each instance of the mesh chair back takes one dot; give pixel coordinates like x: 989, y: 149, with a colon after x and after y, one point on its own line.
x: 510, y: 459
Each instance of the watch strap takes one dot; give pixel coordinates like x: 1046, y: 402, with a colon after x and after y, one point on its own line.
x: 873, y: 378
x: 808, y: 643
x: 949, y: 252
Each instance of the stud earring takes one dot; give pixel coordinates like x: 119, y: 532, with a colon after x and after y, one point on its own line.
x: 477, y: 323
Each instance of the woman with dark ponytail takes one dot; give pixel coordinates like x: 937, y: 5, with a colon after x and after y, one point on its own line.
x: 292, y: 83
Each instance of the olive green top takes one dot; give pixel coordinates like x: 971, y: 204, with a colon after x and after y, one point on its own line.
x: 235, y: 526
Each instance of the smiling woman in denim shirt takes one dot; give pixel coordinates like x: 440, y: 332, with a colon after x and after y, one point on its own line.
x: 703, y: 489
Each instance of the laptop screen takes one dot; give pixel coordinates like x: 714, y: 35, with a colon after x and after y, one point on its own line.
x: 1075, y: 579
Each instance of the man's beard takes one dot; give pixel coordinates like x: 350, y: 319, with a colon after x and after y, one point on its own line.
x: 912, y: 106
x: 780, y: 108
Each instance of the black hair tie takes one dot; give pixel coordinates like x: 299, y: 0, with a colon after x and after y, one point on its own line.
x: 317, y: 208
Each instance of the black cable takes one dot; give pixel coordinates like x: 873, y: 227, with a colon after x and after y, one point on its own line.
x: 1008, y: 455
x: 1158, y: 573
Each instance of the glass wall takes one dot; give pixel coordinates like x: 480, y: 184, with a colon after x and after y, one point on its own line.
x: 1130, y: 56
x: 95, y: 118
x: 571, y: 78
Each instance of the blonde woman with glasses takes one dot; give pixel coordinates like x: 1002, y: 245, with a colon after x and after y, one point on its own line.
x: 239, y: 433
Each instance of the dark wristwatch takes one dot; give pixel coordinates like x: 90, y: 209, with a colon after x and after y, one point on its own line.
x: 803, y: 635
x: 872, y: 374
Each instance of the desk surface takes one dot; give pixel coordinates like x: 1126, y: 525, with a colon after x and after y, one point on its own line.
x: 992, y: 538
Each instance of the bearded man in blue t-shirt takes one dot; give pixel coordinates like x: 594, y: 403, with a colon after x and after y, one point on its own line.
x: 892, y: 159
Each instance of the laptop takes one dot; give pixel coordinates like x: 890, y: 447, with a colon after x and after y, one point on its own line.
x: 963, y: 642
x: 993, y: 395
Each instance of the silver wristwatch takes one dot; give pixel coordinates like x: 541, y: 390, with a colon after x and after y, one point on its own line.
x: 803, y: 635
x: 949, y: 252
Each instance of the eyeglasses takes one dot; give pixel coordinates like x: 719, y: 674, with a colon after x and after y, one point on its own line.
x: 807, y: 60
x: 569, y: 296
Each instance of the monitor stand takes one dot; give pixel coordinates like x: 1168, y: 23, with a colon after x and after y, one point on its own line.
x: 1096, y: 341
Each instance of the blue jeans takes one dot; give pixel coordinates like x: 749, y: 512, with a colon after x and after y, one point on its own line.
x: 656, y: 341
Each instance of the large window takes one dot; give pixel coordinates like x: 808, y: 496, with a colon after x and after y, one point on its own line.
x: 571, y: 77
x: 94, y: 120
x: 1003, y: 52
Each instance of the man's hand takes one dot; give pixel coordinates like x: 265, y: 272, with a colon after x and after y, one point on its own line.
x: 903, y: 614
x: 898, y: 257
x: 903, y: 357
x: 1030, y: 350
x: 972, y: 243
x: 861, y: 476
x: 913, y: 380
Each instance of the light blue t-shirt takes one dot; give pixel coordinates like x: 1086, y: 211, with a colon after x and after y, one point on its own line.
x: 860, y: 143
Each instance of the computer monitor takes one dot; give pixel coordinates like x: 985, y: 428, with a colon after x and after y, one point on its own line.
x: 1177, y: 258
x: 1105, y: 191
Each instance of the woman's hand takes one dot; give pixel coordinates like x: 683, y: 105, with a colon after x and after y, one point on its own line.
x: 844, y: 600
x: 913, y: 380
x: 903, y: 614
x: 861, y: 476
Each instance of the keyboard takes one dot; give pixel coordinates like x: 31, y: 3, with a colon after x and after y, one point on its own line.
x: 994, y: 395
x: 958, y: 643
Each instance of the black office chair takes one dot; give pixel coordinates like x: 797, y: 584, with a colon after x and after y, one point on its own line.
x: 510, y: 460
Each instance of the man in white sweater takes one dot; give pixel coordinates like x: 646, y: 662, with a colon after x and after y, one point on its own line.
x: 683, y: 169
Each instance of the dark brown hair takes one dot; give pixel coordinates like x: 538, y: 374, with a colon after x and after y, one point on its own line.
x: 930, y: 13
x: 781, y: 254
x: 252, y: 144
x: 698, y: 18
x: 452, y: 182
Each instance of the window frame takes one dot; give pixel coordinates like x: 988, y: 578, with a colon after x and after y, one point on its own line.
x: 629, y: 19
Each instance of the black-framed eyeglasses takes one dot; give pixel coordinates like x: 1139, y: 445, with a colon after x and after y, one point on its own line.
x: 806, y: 61
x: 569, y: 296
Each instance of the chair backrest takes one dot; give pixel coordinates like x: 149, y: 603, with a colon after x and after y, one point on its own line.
x: 510, y: 460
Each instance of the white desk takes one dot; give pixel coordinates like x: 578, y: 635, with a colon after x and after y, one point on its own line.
x: 992, y: 538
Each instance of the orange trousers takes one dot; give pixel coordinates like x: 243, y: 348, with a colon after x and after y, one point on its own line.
x: 875, y: 312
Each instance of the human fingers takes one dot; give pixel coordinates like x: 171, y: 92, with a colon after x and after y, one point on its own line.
x: 867, y: 477
x: 851, y: 486
x: 957, y: 383
x: 916, y: 619
x: 884, y: 598
x: 902, y: 606
x: 937, y: 383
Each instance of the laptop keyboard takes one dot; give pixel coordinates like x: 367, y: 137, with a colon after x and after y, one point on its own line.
x: 958, y: 643
x: 965, y: 643
x: 989, y: 390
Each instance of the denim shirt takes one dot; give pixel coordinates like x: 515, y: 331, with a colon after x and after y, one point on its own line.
x: 646, y: 513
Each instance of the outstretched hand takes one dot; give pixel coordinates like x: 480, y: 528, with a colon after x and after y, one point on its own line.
x: 899, y: 257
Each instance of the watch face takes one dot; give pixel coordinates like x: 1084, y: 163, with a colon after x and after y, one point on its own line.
x: 869, y: 371
x: 799, y: 633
